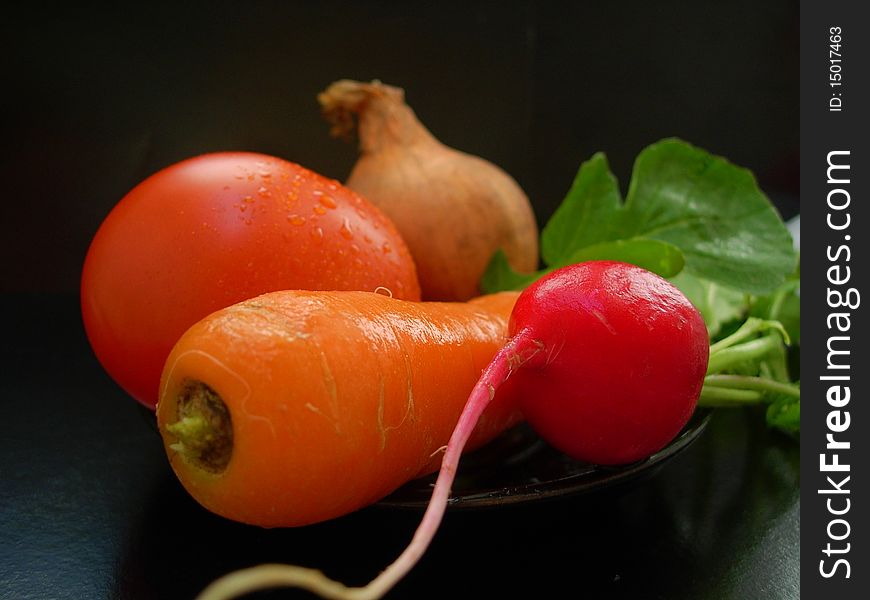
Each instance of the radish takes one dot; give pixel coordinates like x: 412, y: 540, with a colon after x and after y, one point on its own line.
x: 615, y: 360
x: 608, y: 360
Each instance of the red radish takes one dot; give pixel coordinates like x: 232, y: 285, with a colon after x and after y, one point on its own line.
x: 609, y: 360
x: 616, y: 361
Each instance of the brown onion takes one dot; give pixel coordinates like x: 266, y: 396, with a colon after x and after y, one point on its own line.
x: 454, y: 210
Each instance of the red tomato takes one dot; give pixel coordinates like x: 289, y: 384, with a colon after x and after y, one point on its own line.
x: 217, y: 229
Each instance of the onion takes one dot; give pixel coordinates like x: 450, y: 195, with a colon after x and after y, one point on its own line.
x: 454, y: 210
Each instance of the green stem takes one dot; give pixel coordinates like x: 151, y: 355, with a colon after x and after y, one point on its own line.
x: 779, y: 366
x: 746, y: 382
x: 745, y: 331
x: 780, y: 297
x: 752, y: 326
x: 721, y: 360
x: 776, y: 303
x: 716, y: 396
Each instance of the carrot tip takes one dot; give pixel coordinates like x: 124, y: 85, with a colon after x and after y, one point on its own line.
x: 203, y: 428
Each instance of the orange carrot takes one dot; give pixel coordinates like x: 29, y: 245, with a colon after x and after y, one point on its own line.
x: 296, y: 407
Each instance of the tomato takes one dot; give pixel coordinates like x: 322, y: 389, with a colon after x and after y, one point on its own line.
x: 217, y: 229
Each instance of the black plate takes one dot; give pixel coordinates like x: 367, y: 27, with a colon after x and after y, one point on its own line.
x: 519, y: 467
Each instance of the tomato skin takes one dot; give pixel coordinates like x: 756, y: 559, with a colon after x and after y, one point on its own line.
x: 217, y: 229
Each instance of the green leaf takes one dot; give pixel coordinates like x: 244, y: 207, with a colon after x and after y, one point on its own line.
x: 681, y: 199
x: 717, y: 304
x: 499, y: 276
x: 714, y: 212
x: 659, y: 257
x: 588, y: 214
x: 784, y: 305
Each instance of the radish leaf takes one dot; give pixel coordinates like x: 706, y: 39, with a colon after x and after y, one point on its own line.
x: 718, y: 305
x: 653, y: 255
x: 694, y: 203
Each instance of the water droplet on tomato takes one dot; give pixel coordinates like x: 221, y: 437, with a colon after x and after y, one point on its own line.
x: 319, y: 210
x: 386, y: 248
x: 345, y: 230
x: 317, y: 233
x: 296, y: 219
x: 328, y: 201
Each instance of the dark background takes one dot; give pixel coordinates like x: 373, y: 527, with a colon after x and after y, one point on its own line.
x: 96, y: 99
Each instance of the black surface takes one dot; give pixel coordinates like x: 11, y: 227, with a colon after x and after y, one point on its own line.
x: 89, y: 508
x: 518, y: 467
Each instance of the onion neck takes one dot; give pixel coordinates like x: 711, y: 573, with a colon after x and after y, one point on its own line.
x: 384, y: 119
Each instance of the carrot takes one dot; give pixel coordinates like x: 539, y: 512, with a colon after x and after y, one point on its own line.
x: 296, y: 407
